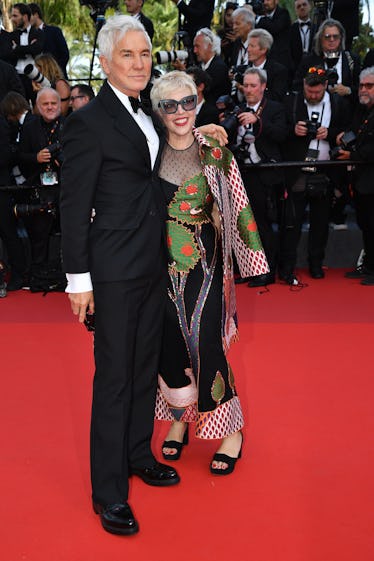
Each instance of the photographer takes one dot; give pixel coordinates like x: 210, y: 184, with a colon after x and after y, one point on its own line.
x: 243, y: 21
x: 196, y: 14
x: 40, y: 160
x: 342, y: 66
x: 277, y: 21
x: 363, y: 151
x: 314, y: 117
x: 260, y: 129
x: 207, y: 48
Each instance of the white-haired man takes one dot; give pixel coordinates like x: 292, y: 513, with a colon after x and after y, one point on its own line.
x: 207, y: 48
x: 116, y: 266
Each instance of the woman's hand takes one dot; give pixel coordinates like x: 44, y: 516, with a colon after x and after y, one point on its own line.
x: 215, y: 131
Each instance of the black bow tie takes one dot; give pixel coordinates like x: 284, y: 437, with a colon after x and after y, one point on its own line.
x: 305, y: 23
x: 23, y: 31
x: 142, y: 104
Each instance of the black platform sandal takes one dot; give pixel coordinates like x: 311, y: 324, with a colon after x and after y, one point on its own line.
x: 227, y: 460
x: 178, y: 446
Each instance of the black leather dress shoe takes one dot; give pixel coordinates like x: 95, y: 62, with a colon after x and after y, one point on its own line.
x: 261, y: 280
x: 117, y: 518
x: 368, y: 280
x: 317, y: 272
x: 158, y: 475
x: 358, y: 273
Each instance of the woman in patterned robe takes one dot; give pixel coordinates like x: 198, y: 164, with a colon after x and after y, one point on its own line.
x: 209, y: 217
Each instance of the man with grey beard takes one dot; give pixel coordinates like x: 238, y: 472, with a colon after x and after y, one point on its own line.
x: 363, y: 151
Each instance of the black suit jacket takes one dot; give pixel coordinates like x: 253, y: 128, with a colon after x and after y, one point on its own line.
x: 296, y: 46
x: 207, y: 114
x: 107, y: 167
x: 5, y: 152
x: 270, y: 131
x: 295, y: 148
x: 35, y: 46
x: 148, y: 25
x: 220, y: 84
x: 9, y: 80
x: 363, y: 126
x: 349, y: 77
x: 55, y: 44
x: 279, y: 27
x: 197, y: 14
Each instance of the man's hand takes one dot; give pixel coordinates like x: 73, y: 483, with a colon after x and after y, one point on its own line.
x: 247, y: 118
x: 340, y: 89
x: 216, y: 132
x: 344, y: 155
x: 301, y: 128
x: 81, y: 302
x: 43, y: 156
x: 179, y: 65
x: 322, y: 133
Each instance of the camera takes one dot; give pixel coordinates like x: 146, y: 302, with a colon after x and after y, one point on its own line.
x: 238, y: 72
x: 24, y: 209
x: 312, y: 125
x: 257, y: 5
x: 163, y: 57
x: 55, y: 150
x: 231, y: 111
x: 347, y: 143
x: 34, y: 74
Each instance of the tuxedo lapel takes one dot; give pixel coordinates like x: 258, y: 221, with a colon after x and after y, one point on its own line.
x: 123, y: 121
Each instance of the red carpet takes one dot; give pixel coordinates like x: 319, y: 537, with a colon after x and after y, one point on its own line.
x: 303, y: 490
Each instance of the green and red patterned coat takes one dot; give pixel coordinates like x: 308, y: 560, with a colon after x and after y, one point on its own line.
x: 222, y: 181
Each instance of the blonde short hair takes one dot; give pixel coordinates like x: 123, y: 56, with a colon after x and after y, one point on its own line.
x: 166, y: 84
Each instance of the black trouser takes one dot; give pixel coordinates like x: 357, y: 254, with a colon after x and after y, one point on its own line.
x: 365, y: 220
x: 319, y: 209
x: 9, y: 235
x: 129, y: 319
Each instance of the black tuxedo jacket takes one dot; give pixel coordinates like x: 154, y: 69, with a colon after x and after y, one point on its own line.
x: 9, y: 80
x: 277, y: 79
x: 107, y: 167
x: 5, y: 152
x: 148, y: 25
x: 349, y: 77
x: 35, y: 46
x: 270, y: 131
x: 197, y: 14
x: 220, y: 84
x: 363, y: 126
x: 296, y: 46
x: 234, y: 53
x: 207, y: 114
x: 279, y: 27
x: 55, y: 44
x: 295, y: 147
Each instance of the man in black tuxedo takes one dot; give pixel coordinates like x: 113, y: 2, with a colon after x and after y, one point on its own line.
x: 207, y: 48
x: 262, y: 128
x: 302, y: 32
x: 260, y: 43
x: 115, y: 257
x: 243, y: 21
x: 363, y: 151
x: 277, y: 21
x: 134, y: 8
x: 197, y: 14
x: 314, y: 186
x: 330, y: 53
x: 54, y: 40
x: 27, y: 42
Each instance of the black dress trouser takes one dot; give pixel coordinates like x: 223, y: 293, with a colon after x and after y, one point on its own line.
x: 129, y: 318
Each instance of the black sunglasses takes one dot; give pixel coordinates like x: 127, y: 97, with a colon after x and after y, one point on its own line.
x: 170, y: 106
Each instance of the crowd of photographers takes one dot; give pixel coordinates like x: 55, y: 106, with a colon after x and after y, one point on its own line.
x: 285, y: 92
